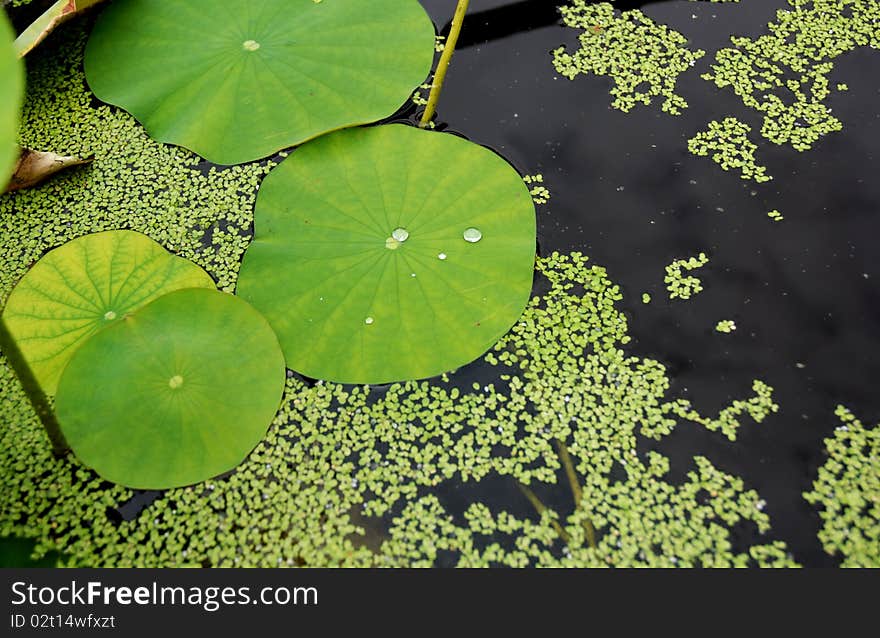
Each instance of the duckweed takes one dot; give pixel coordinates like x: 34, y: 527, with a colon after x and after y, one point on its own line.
x: 644, y: 59
x: 679, y: 285
x: 783, y: 75
x: 726, y: 326
x: 540, y: 193
x: 728, y: 142
x: 847, y: 489
x: 355, y: 475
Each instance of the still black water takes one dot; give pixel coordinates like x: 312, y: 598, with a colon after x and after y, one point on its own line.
x: 627, y: 193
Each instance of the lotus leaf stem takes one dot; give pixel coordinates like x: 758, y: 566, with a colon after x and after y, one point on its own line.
x: 443, y: 66
x: 34, y: 392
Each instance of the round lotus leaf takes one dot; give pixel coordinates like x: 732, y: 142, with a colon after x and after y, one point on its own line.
x: 366, y: 261
x: 11, y: 87
x: 237, y: 81
x: 83, y: 286
x: 174, y: 394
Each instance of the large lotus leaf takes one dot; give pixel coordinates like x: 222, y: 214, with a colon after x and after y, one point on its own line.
x: 11, y: 86
x: 390, y: 253
x: 79, y: 288
x: 176, y: 393
x: 237, y: 81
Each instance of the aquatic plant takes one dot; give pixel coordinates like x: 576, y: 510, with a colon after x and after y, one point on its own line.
x: 642, y: 57
x: 447, y: 49
x: 244, y: 82
x: 783, y: 75
x: 177, y: 392
x: 729, y: 144
x: 726, y: 326
x: 374, y: 266
x: 679, y: 285
x: 56, y: 15
x: 11, y: 89
x: 538, y: 190
x: 847, y: 489
x: 78, y: 289
x: 358, y: 475
x: 337, y: 458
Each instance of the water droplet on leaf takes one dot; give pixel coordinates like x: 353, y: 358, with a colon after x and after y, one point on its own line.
x: 472, y: 235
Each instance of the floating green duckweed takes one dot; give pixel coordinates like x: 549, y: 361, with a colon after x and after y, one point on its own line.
x: 678, y: 284
x: 642, y: 57
x: 540, y: 193
x: 775, y: 215
x: 726, y: 326
x: 649, y: 522
x: 338, y: 456
x: 784, y: 74
x: 646, y: 298
x: 343, y: 470
x: 728, y: 142
x: 848, y: 491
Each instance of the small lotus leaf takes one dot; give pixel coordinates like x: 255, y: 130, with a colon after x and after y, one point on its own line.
x: 237, y: 81
x: 84, y: 285
x: 390, y: 253
x: 176, y: 393
x: 11, y: 88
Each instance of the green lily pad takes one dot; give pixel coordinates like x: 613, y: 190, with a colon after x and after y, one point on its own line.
x: 11, y: 88
x: 237, y: 81
x: 176, y: 393
x: 84, y: 285
x: 390, y: 253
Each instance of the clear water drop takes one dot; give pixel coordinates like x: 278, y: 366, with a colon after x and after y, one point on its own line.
x: 472, y: 235
x: 400, y: 234
x: 442, y: 256
x: 250, y: 45
x: 368, y: 321
x: 109, y: 315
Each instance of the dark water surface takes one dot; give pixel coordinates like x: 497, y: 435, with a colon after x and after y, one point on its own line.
x: 628, y: 193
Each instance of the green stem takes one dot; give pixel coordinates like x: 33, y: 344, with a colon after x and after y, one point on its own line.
x: 541, y: 508
x: 443, y: 66
x: 34, y: 392
x: 576, y: 490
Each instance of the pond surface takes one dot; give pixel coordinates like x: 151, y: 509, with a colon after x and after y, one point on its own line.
x: 625, y: 191
x: 804, y: 293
